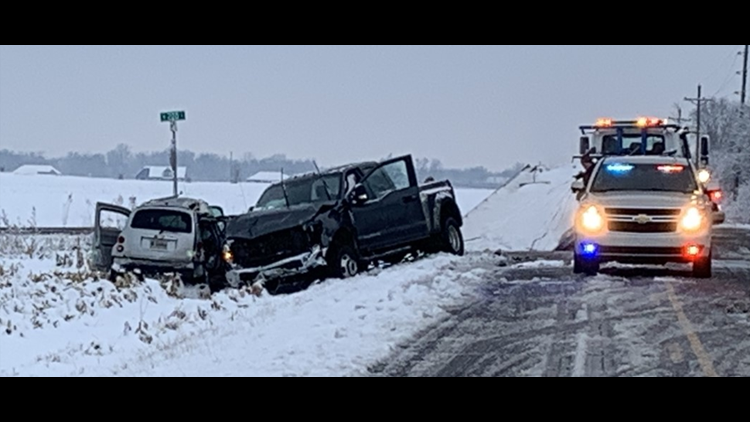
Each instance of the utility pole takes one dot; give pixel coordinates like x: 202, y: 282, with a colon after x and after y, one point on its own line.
x: 173, y: 155
x: 172, y: 117
x: 679, y: 118
x: 698, y: 101
x: 744, y: 79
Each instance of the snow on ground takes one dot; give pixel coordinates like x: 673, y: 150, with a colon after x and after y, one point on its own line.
x: 542, y: 263
x: 60, y: 320
x: 68, y: 201
x: 523, y: 216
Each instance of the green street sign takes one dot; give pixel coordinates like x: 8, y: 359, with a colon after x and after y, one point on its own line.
x: 172, y: 116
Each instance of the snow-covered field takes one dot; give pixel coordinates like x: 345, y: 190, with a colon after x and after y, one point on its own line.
x: 68, y: 201
x: 58, y: 319
x: 522, y: 216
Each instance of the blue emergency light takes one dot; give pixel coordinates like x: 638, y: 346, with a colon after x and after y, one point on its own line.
x: 589, y: 249
x: 619, y: 168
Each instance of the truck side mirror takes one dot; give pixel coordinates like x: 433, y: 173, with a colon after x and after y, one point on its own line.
x: 358, y: 195
x: 577, y: 186
x: 705, y: 147
x: 584, y: 145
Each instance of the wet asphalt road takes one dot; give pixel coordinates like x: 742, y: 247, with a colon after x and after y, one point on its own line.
x: 546, y: 321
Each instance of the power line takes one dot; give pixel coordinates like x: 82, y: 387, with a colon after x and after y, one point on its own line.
x: 721, y: 64
x: 729, y: 77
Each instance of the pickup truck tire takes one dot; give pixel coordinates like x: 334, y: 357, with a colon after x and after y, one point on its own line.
x: 702, y: 267
x: 343, y: 261
x: 452, y: 239
x: 584, y: 266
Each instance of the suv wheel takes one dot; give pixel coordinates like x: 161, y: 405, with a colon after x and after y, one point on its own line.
x: 589, y: 267
x: 702, y: 267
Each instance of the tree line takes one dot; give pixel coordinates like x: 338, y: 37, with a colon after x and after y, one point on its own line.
x: 727, y: 122
x: 122, y: 163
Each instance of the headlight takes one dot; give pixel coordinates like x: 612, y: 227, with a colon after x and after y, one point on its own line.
x: 704, y: 176
x: 227, y: 254
x: 591, y: 220
x: 692, y: 220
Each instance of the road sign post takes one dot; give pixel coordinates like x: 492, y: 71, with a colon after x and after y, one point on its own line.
x: 172, y: 117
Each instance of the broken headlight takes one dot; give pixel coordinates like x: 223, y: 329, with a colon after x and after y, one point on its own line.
x: 227, y: 255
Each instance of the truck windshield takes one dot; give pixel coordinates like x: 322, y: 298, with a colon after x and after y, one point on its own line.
x: 632, y: 144
x: 308, y: 191
x: 644, y: 177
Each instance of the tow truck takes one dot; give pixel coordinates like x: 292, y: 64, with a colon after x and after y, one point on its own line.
x: 650, y: 136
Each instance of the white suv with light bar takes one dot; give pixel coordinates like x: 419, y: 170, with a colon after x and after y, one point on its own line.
x: 644, y: 210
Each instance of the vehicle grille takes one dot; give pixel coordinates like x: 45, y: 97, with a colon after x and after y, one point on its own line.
x: 639, y: 211
x: 638, y: 250
x: 633, y: 227
x: 271, y: 248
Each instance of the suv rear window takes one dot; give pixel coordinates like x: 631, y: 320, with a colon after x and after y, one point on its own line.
x: 163, y: 220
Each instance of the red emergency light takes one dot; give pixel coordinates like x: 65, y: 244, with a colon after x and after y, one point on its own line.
x: 716, y: 195
x: 671, y: 169
x: 603, y: 122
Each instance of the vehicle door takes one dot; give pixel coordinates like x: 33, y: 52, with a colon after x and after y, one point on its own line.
x: 386, y: 208
x: 109, y: 221
x: 210, y: 242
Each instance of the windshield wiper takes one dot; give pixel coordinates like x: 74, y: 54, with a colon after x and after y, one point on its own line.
x: 283, y: 187
x: 322, y: 179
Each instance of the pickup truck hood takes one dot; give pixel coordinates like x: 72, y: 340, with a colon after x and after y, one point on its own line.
x: 643, y: 199
x: 259, y: 223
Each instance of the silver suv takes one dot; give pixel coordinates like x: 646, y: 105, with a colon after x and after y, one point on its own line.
x: 644, y: 210
x: 174, y: 234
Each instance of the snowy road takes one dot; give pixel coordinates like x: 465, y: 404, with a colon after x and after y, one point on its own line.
x: 538, y: 319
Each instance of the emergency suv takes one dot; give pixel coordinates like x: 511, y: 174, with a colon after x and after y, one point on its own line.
x: 644, y: 210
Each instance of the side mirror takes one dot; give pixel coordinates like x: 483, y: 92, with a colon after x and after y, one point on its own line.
x: 705, y: 146
x: 251, y: 209
x: 358, y: 195
x: 222, y: 226
x: 584, y: 145
x: 577, y: 186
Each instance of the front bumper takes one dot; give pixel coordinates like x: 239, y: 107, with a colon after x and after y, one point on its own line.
x: 293, y: 266
x: 645, y: 248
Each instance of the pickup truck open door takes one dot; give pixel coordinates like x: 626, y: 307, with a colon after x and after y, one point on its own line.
x: 387, y: 207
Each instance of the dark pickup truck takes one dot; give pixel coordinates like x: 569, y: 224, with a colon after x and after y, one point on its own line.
x: 339, y: 221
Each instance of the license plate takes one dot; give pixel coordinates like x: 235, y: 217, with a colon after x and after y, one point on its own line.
x: 159, y: 244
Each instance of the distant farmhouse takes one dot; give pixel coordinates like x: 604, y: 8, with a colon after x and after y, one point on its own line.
x: 30, y: 169
x: 161, y: 173
x: 266, y: 177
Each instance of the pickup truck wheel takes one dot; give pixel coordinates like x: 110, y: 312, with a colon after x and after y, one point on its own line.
x: 344, y: 262
x: 585, y: 266
x: 453, y: 240
x: 702, y: 267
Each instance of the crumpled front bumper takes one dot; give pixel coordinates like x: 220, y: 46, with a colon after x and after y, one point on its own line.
x: 296, y: 265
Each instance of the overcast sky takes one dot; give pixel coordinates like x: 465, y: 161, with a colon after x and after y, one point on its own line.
x: 465, y: 105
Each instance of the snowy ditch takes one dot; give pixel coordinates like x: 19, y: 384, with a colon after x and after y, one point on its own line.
x: 57, y: 318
